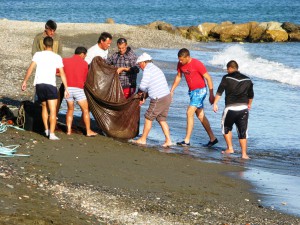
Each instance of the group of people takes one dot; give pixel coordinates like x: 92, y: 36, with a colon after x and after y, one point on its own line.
x: 73, y: 71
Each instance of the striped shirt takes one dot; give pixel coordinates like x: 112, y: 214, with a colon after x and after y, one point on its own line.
x: 154, y: 82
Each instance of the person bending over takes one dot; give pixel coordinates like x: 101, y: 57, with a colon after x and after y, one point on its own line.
x: 155, y: 84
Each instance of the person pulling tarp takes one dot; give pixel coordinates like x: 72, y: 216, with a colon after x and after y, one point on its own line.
x: 115, y: 115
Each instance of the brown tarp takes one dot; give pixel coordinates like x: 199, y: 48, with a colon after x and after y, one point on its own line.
x: 115, y: 115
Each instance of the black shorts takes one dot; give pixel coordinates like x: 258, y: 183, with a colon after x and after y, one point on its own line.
x: 237, y: 117
x: 46, y: 92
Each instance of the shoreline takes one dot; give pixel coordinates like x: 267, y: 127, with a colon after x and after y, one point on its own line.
x: 138, y: 183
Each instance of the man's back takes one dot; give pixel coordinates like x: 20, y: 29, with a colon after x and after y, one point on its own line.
x: 47, y: 63
x: 76, y: 70
x: 238, y: 88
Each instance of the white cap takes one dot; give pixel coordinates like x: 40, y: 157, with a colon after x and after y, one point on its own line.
x: 143, y: 57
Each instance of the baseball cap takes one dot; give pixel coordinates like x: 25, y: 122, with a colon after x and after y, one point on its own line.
x: 143, y: 57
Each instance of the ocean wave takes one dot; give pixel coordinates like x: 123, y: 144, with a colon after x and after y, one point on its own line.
x: 257, y: 66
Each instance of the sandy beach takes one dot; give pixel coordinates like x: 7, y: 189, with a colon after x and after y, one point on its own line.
x: 99, y: 180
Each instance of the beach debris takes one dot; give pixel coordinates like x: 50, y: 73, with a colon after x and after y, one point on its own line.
x: 247, y: 200
x: 10, y: 186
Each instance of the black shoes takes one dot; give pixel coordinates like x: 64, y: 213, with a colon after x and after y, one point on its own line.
x: 211, y: 143
x: 183, y: 143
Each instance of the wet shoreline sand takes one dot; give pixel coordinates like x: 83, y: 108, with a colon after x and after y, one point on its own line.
x: 81, y: 180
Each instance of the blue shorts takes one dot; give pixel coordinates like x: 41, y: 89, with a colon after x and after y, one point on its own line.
x: 76, y: 94
x: 197, y: 97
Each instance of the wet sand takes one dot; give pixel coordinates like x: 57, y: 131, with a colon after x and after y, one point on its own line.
x: 99, y: 180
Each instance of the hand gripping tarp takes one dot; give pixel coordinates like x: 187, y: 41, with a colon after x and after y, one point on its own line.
x: 115, y: 115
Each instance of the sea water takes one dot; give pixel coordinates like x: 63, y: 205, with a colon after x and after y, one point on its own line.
x: 274, y: 68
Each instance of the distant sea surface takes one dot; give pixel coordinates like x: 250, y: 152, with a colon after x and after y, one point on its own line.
x: 274, y: 132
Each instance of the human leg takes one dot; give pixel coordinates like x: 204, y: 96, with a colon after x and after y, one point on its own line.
x: 243, y: 144
x: 147, y: 128
x: 52, y: 117
x: 205, y: 123
x: 165, y: 128
x: 242, y: 128
x: 45, y: 117
x: 86, y: 117
x: 69, y: 116
x: 189, y: 123
x: 228, y: 139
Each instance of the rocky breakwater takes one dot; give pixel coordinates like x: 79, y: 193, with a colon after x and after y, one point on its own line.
x: 231, y: 32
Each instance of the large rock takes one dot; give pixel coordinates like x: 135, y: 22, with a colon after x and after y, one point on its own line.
x: 194, y: 33
x: 161, y: 25
x: 274, y: 33
x: 205, y: 28
x: 290, y: 27
x: 294, y: 36
x: 268, y: 32
x: 256, y: 32
x: 293, y: 31
x: 183, y: 31
x: 231, y: 32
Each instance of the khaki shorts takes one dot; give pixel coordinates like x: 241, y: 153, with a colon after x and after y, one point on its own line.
x: 159, y: 108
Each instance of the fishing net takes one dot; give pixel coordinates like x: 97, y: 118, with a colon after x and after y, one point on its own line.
x: 115, y: 115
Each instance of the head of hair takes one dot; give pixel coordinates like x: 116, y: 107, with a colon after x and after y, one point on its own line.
x: 104, y: 36
x: 121, y: 41
x: 50, y: 24
x: 233, y: 64
x: 80, y: 50
x: 48, y: 42
x: 183, y: 52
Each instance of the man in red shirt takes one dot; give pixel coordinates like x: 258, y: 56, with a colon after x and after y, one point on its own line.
x: 76, y: 70
x: 195, y: 75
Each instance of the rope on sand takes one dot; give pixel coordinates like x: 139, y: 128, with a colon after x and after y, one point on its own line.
x: 3, y: 127
x: 9, y: 151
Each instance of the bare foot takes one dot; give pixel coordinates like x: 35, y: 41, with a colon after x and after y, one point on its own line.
x: 167, y: 144
x: 139, y: 142
x: 245, y: 157
x: 91, y: 134
x: 69, y: 132
x: 228, y: 151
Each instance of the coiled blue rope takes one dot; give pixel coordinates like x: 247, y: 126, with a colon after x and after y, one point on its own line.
x: 10, y: 150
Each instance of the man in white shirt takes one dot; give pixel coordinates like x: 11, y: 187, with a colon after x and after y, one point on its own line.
x: 155, y: 84
x: 46, y: 63
x: 99, y: 49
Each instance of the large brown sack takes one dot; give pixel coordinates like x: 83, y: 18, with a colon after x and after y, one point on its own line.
x: 115, y: 115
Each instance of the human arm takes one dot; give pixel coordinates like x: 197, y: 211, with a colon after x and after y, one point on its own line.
x: 215, y: 106
x: 250, y: 103
x: 64, y: 81
x: 35, y: 45
x: 250, y: 96
x: 28, y: 74
x: 176, y: 83
x: 210, y: 85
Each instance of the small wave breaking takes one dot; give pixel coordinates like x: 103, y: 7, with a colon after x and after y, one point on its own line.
x: 257, y: 66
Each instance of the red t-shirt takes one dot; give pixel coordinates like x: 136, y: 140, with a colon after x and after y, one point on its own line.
x: 193, y: 73
x: 76, y: 70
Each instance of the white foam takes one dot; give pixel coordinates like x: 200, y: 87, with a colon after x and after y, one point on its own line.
x: 256, y: 66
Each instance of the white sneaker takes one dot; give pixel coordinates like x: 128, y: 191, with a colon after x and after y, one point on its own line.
x: 46, y: 133
x: 53, y: 137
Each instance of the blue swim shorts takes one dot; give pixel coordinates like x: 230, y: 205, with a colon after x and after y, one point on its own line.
x: 197, y: 97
